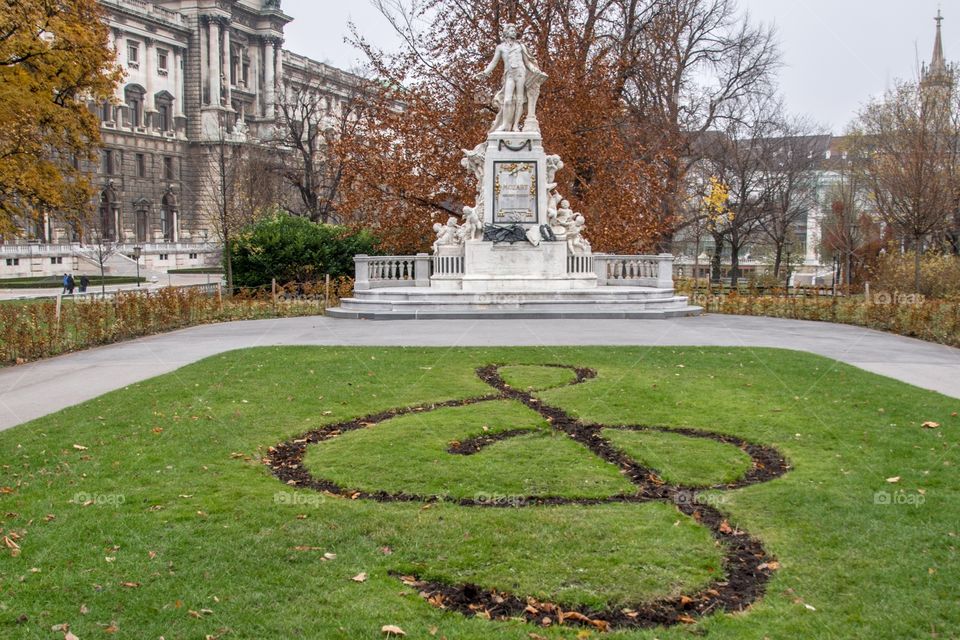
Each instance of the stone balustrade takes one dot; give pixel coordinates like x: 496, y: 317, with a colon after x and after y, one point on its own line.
x: 638, y: 270
x: 580, y: 263
x: 376, y: 272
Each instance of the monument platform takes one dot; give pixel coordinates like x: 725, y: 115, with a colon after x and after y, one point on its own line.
x: 412, y: 303
x: 406, y: 288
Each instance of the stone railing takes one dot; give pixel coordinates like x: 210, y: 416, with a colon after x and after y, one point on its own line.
x: 580, y: 263
x: 448, y: 265
x: 375, y: 272
x: 38, y: 250
x: 642, y: 271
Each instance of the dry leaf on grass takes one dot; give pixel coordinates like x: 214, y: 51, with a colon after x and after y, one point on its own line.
x: 392, y: 629
x: 893, y: 480
x: 930, y: 424
x: 360, y: 577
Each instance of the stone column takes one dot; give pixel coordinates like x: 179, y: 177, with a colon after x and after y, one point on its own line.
x: 270, y: 86
x: 226, y: 64
x: 178, y: 88
x: 362, y: 272
x: 278, y: 72
x: 149, y: 65
x: 214, y: 69
x: 204, y: 61
x: 421, y: 270
x: 665, y: 271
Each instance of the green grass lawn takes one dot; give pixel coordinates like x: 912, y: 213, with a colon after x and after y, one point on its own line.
x: 56, y: 282
x: 149, y: 512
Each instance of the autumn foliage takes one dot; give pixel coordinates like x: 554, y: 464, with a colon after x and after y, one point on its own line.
x: 402, y: 164
x: 53, y: 58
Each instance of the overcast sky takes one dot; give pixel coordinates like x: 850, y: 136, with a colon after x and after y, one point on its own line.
x: 836, y: 53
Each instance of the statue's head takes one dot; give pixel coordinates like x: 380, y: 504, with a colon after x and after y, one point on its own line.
x: 564, y: 204
x: 510, y: 30
x: 436, y: 227
x: 452, y: 222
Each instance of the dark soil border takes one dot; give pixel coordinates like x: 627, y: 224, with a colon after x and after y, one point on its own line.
x: 747, y: 565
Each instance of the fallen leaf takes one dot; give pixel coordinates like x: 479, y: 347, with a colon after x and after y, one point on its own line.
x: 725, y: 527
x: 392, y: 629
x: 130, y: 585
x: 772, y: 566
x: 69, y: 636
x: 360, y: 577
x: 685, y: 619
x: 79, y: 447
x: 930, y: 424
x: 893, y: 480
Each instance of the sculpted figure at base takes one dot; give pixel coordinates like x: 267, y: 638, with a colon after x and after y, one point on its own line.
x: 521, y: 83
x: 446, y: 233
x: 472, y: 228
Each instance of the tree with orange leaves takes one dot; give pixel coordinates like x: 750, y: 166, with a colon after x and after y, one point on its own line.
x: 404, y: 157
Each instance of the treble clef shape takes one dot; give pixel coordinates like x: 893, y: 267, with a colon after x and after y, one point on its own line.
x: 747, y: 565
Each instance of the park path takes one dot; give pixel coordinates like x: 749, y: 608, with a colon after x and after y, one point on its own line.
x: 39, y: 388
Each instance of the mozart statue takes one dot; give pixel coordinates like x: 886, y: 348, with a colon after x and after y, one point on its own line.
x: 521, y: 83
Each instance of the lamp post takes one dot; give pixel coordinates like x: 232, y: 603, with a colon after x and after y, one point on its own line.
x: 136, y: 256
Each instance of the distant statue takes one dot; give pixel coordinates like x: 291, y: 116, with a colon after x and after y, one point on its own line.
x: 521, y: 83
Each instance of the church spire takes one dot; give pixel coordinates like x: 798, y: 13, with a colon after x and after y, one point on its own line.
x: 938, y: 65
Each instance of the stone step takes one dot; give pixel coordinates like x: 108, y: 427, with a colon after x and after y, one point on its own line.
x: 673, y: 302
x: 556, y: 314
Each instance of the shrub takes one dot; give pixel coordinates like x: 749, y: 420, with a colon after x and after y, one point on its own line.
x: 939, y: 274
x: 293, y: 249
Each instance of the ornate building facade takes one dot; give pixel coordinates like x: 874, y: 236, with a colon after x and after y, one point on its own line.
x: 198, y: 74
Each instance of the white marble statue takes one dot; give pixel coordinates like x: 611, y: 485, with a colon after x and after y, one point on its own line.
x: 446, y: 233
x: 554, y: 164
x: 521, y: 83
x: 472, y: 228
x: 576, y: 243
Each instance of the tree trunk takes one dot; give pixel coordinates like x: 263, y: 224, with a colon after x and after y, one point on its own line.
x: 228, y: 262
x: 715, y: 262
x: 777, y: 260
x: 916, y: 265
x: 734, y: 265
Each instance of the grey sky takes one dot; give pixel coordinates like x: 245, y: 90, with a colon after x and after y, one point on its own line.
x: 836, y: 53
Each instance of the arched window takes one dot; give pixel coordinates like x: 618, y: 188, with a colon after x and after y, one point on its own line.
x: 133, y: 96
x: 164, y: 102
x: 168, y: 217
x: 107, y: 219
x: 142, y: 212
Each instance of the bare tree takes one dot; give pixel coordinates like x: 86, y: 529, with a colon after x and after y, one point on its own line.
x: 311, y: 121
x: 238, y: 188
x: 797, y: 150
x: 910, y: 140
x: 690, y: 63
x: 742, y: 158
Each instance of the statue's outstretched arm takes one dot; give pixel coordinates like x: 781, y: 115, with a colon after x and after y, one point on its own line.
x: 493, y: 63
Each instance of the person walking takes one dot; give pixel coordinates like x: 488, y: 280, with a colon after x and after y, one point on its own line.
x: 70, y: 283
x: 84, y: 283
x: 66, y: 282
